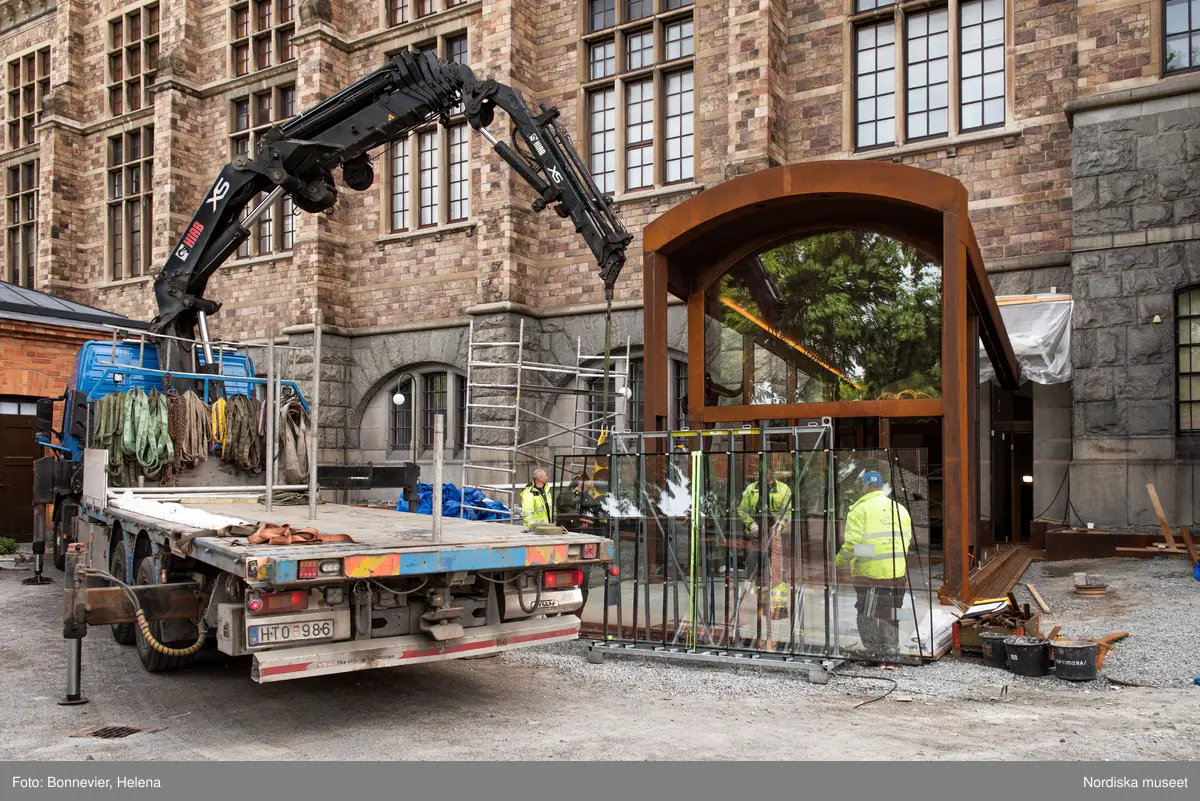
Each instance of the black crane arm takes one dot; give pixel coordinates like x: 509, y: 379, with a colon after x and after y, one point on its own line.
x: 298, y: 158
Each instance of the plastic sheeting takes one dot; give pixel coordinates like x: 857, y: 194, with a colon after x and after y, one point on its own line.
x: 452, y: 500
x: 1040, y: 334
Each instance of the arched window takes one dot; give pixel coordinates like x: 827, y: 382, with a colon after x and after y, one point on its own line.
x: 428, y: 391
x: 1187, y: 358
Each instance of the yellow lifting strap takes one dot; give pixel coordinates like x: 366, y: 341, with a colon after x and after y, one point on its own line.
x: 219, y: 430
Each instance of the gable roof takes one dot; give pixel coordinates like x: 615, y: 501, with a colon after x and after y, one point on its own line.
x: 21, y: 303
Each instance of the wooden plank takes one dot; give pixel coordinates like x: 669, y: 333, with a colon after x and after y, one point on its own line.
x: 1156, y: 551
x: 1112, y: 639
x: 1054, y: 632
x: 1037, y: 596
x: 1186, y: 534
x: 1162, y: 517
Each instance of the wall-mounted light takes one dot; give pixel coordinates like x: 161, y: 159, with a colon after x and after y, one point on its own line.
x: 1156, y: 319
x: 1027, y: 479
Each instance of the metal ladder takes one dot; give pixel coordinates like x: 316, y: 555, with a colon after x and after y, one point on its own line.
x: 506, y: 488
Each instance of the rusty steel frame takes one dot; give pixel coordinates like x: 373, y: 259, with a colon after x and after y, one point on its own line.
x: 692, y: 245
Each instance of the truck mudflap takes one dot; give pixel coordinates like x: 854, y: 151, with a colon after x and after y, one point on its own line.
x: 347, y: 657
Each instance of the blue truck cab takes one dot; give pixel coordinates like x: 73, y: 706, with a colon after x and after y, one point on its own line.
x: 103, y: 367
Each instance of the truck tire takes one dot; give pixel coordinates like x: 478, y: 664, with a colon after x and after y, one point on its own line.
x: 121, y: 632
x: 152, y: 660
x: 57, y: 544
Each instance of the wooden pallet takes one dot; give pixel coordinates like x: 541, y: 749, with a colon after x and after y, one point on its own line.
x: 999, y: 576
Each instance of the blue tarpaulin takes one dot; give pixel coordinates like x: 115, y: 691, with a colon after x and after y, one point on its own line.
x: 452, y: 500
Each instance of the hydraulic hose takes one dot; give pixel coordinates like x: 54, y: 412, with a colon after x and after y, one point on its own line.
x: 144, y: 625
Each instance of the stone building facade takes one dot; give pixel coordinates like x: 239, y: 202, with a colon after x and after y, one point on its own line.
x: 1072, y: 124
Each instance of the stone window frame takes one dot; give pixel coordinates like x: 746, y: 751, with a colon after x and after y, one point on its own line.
x: 20, y: 216
x: 897, y: 12
x: 278, y: 225
x: 402, y: 12
x: 26, y: 82
x: 631, y: 418
x: 131, y: 61
x: 1159, y: 21
x: 415, y: 410
x: 258, y: 27
x: 123, y: 172
x: 1187, y: 381
x: 664, y: 13
x: 448, y: 205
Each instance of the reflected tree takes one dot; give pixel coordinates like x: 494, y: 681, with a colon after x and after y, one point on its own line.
x: 865, y: 304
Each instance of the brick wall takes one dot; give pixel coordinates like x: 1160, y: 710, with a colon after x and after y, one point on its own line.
x: 37, y: 359
x: 772, y: 85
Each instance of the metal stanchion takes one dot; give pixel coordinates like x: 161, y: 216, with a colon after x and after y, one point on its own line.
x: 314, y: 430
x: 270, y: 414
x: 439, y: 444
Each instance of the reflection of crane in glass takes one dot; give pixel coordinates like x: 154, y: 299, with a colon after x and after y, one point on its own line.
x: 733, y: 305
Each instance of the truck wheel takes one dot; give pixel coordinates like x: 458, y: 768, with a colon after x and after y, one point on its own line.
x: 58, y: 545
x: 152, y: 660
x: 121, y: 632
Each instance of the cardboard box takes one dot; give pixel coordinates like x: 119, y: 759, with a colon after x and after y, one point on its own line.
x: 970, y: 634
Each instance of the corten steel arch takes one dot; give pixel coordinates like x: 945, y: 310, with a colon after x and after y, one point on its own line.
x: 691, y: 246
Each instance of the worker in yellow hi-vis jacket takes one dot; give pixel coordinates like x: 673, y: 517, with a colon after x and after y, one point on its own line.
x: 878, y: 533
x: 770, y: 544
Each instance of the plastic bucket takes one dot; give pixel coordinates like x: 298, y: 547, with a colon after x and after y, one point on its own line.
x: 992, y: 645
x: 1076, y: 660
x: 1028, y: 656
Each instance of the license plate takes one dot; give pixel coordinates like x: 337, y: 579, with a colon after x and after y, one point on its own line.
x: 279, y: 633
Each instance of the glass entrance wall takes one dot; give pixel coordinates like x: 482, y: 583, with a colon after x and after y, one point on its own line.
x: 728, y: 540
x: 836, y: 316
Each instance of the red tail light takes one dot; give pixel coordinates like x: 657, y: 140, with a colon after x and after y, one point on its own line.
x: 307, y: 569
x: 559, y: 579
x: 271, y: 602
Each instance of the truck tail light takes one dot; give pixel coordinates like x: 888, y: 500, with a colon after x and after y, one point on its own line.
x: 271, y: 602
x: 331, y: 566
x: 307, y: 569
x: 559, y: 579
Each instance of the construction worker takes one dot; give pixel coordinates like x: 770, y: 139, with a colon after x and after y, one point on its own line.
x: 537, y: 504
x: 779, y: 504
x: 878, y: 533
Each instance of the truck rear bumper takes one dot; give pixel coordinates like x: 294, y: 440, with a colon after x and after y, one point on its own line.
x: 353, y: 655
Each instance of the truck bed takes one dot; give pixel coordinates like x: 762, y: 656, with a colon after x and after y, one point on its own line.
x: 386, y: 542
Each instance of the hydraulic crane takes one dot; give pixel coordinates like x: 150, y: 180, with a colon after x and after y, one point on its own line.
x: 299, y: 157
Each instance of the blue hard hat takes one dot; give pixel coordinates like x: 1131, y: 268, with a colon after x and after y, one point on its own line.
x: 872, y: 479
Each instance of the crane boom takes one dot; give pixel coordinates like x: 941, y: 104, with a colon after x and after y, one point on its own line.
x: 298, y: 158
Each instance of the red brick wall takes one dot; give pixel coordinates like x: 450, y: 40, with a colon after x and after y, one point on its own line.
x: 36, y: 360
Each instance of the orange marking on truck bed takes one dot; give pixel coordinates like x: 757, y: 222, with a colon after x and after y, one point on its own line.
x: 373, y: 566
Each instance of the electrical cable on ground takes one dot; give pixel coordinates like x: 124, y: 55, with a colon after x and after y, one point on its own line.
x: 871, y: 678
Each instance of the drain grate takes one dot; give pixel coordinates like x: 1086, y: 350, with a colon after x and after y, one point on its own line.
x: 113, y: 732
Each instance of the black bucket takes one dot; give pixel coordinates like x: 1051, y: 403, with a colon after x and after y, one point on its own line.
x: 992, y: 645
x: 1028, y: 656
x: 1076, y: 660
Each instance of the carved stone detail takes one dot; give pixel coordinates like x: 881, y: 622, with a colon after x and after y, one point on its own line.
x: 173, y: 62
x: 316, y: 11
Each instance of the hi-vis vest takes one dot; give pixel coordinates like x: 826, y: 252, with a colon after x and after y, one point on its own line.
x: 878, y: 532
x: 537, y: 505
x: 748, y: 509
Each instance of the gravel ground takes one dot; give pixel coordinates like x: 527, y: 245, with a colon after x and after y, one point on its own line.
x: 550, y: 703
x: 1156, y: 600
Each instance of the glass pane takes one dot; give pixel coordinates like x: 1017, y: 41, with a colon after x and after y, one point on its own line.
x: 1178, y: 56
x: 847, y: 315
x: 993, y: 111
x: 1185, y: 417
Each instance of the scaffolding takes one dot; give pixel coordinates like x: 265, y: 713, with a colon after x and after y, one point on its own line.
x: 507, y: 396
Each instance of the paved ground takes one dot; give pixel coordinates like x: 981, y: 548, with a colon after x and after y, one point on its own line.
x: 550, y: 704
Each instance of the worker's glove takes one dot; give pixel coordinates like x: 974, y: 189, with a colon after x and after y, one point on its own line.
x: 778, y: 528
x: 754, y: 529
